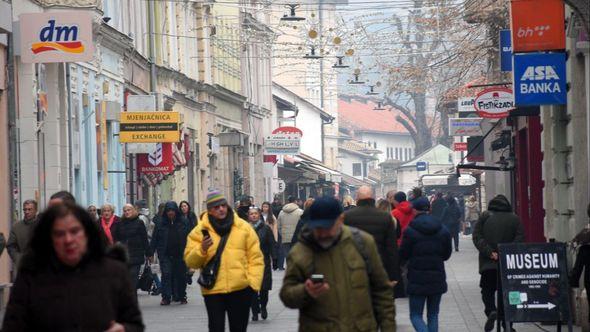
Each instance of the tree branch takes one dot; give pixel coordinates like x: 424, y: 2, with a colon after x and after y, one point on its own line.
x: 408, y: 127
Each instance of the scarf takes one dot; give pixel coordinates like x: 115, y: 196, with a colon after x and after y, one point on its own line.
x: 257, y: 225
x: 106, y: 227
x: 222, y: 226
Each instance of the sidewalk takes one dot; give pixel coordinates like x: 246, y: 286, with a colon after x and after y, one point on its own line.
x: 461, y: 308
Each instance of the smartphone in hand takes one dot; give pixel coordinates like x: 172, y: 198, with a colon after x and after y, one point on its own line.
x: 205, y: 233
x: 317, y: 278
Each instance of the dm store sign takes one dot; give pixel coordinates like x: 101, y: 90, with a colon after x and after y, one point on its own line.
x: 539, y: 79
x: 56, y: 37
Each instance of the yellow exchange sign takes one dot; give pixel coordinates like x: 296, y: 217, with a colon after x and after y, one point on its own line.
x: 149, y: 127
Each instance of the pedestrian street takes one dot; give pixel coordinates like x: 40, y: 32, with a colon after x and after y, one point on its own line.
x: 461, y: 307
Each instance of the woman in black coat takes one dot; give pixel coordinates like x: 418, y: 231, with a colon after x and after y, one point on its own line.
x: 189, y: 214
x: 131, y: 232
x: 267, y: 241
x: 451, y: 218
x: 426, y: 245
x: 67, y: 282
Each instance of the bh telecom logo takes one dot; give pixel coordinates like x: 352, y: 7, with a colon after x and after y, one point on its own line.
x: 526, y: 32
x: 539, y: 79
x: 58, y: 38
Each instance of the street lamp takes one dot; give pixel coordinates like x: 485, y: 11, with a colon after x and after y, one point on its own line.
x: 312, y: 55
x: 292, y: 16
x: 379, y: 107
x: 339, y: 63
x: 356, y: 79
x: 371, y: 91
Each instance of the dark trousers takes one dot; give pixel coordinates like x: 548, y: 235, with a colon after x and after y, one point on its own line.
x: 489, y: 285
x: 134, y: 274
x: 173, y: 277
x: 236, y: 304
x: 455, y: 236
x: 285, y: 248
x: 259, y: 301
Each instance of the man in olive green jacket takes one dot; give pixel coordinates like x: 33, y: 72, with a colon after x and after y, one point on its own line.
x: 350, y: 290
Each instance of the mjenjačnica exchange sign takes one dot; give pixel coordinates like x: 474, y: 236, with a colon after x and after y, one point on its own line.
x: 149, y: 127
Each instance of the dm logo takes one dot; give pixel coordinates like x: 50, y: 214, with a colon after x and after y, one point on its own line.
x: 62, y: 38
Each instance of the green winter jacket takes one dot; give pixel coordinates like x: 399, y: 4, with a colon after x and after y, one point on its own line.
x: 497, y: 225
x: 353, y: 303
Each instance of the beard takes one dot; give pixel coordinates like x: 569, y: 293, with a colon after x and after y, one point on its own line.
x: 328, y: 242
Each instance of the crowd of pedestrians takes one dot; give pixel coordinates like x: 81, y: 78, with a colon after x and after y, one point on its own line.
x: 362, y: 252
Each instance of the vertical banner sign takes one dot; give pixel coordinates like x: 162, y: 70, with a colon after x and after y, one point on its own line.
x: 534, y: 282
x: 56, y: 37
x: 539, y: 79
x: 505, y: 50
x: 537, y: 25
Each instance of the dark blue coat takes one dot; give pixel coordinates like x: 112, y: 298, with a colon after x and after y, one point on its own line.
x: 426, y: 245
x: 159, y: 241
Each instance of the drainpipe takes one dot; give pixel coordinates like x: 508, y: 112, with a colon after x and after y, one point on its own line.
x: 70, y: 129
x: 14, y: 167
x: 151, y: 27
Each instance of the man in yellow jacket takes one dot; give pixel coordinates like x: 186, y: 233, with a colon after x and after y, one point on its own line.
x: 241, y: 265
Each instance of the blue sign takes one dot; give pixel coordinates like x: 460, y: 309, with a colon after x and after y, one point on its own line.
x: 539, y: 79
x: 421, y: 166
x: 505, y: 50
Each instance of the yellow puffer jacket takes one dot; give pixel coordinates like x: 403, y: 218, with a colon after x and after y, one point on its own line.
x: 242, y: 263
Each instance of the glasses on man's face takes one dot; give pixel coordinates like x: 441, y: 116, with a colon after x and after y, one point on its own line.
x: 217, y: 207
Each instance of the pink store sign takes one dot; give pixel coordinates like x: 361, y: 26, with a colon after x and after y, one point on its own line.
x: 56, y: 37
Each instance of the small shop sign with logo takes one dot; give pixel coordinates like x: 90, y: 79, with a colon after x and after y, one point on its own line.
x: 283, y: 140
x: 494, y: 103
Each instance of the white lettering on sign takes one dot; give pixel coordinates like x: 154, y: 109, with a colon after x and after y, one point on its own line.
x: 532, y: 261
x: 539, y: 73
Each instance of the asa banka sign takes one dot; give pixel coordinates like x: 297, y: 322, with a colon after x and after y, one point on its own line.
x: 283, y: 140
x: 56, y: 37
x: 539, y: 79
x: 534, y: 282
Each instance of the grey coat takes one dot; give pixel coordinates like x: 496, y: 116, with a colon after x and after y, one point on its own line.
x: 20, y: 234
x: 497, y: 225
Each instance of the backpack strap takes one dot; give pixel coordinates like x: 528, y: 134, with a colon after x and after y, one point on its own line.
x: 359, y: 243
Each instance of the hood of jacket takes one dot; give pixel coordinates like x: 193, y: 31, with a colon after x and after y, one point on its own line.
x: 426, y: 224
x: 500, y: 204
x: 171, y: 205
x: 290, y: 208
x: 405, y: 207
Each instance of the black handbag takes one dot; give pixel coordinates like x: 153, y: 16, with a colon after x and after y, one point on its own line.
x: 145, y: 279
x: 209, y: 271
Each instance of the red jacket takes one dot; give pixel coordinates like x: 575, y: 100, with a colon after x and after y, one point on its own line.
x: 404, y: 214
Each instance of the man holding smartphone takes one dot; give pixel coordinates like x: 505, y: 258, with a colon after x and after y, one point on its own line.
x: 335, y: 276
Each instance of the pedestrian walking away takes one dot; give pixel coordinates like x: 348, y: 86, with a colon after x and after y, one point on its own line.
x: 21, y: 232
x: 495, y: 226
x: 68, y: 282
x: 266, y: 238
x: 426, y: 245
x: 451, y: 218
x: 130, y: 231
x: 335, y: 277
x: 227, y: 250
x: 380, y: 225
x: 438, y: 206
x: 471, y: 214
x: 169, y: 241
x: 288, y: 219
x: 302, y: 220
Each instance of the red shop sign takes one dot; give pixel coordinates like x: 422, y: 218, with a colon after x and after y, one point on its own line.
x: 460, y: 146
x: 159, y: 161
x: 537, y: 25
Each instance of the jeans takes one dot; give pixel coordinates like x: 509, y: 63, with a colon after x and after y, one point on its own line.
x: 173, y: 278
x: 285, y: 248
x: 417, y: 309
x: 236, y: 304
x: 259, y: 301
